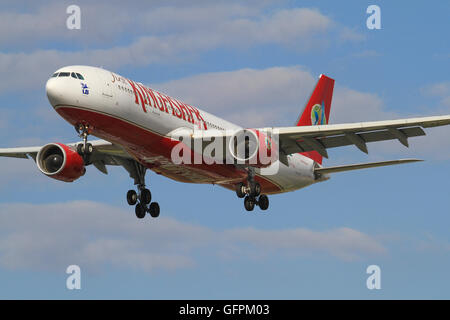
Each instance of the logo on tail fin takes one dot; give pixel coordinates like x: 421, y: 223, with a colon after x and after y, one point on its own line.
x: 318, y: 114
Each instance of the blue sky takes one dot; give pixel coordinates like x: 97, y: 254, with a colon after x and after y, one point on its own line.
x: 254, y: 63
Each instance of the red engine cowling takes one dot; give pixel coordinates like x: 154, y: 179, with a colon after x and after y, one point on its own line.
x: 253, y: 147
x: 60, y: 162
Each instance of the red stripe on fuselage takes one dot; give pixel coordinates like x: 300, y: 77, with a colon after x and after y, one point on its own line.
x: 154, y: 150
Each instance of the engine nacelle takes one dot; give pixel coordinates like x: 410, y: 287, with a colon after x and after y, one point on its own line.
x: 60, y: 162
x: 253, y: 147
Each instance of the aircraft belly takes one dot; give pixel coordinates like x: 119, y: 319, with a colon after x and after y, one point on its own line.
x: 297, y: 175
x: 153, y: 149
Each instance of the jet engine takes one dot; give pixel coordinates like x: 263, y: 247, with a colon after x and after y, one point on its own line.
x: 60, y: 162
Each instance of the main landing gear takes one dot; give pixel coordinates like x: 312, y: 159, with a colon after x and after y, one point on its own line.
x: 251, y: 192
x: 143, y: 197
x: 140, y: 199
x: 143, y: 202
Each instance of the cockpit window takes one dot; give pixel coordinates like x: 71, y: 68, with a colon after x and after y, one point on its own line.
x: 74, y: 75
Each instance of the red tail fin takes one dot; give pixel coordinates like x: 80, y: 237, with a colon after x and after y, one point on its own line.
x: 317, y: 110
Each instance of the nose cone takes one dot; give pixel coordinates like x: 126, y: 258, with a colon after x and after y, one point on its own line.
x: 53, y: 89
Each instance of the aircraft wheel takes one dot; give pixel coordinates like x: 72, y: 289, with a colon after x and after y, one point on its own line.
x: 82, y: 152
x: 89, y: 148
x: 240, y: 190
x: 146, y: 196
x: 249, y: 203
x: 263, y: 202
x: 255, y: 189
x: 140, y: 211
x: 80, y: 149
x: 132, y: 197
x: 154, y: 209
x: 86, y: 154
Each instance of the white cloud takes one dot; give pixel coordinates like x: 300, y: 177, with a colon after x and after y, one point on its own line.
x: 345, y: 243
x: 350, y: 35
x: 18, y: 27
x: 220, y: 22
x: 248, y: 96
x: 264, y: 97
x: 47, y: 22
x: 160, y: 34
x: 94, y: 235
x: 350, y: 105
x: 439, y: 90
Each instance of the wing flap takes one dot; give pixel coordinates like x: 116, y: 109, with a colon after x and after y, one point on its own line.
x: 343, y: 139
x: 319, y: 138
x: 358, y: 166
x: 334, y: 129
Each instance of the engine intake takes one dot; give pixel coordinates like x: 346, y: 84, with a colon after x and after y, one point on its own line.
x: 60, y: 162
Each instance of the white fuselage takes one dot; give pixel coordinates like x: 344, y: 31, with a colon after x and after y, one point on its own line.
x: 140, y: 120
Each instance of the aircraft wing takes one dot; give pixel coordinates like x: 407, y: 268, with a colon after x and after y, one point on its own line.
x: 350, y: 167
x: 322, y: 137
x: 100, y: 146
x: 104, y: 153
x: 19, y: 152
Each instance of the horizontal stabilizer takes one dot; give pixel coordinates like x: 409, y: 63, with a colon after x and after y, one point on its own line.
x: 362, y: 166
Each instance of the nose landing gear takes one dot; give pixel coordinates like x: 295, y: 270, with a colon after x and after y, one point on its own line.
x: 84, y: 149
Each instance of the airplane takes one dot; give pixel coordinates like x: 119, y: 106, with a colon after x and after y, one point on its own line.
x: 136, y: 126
